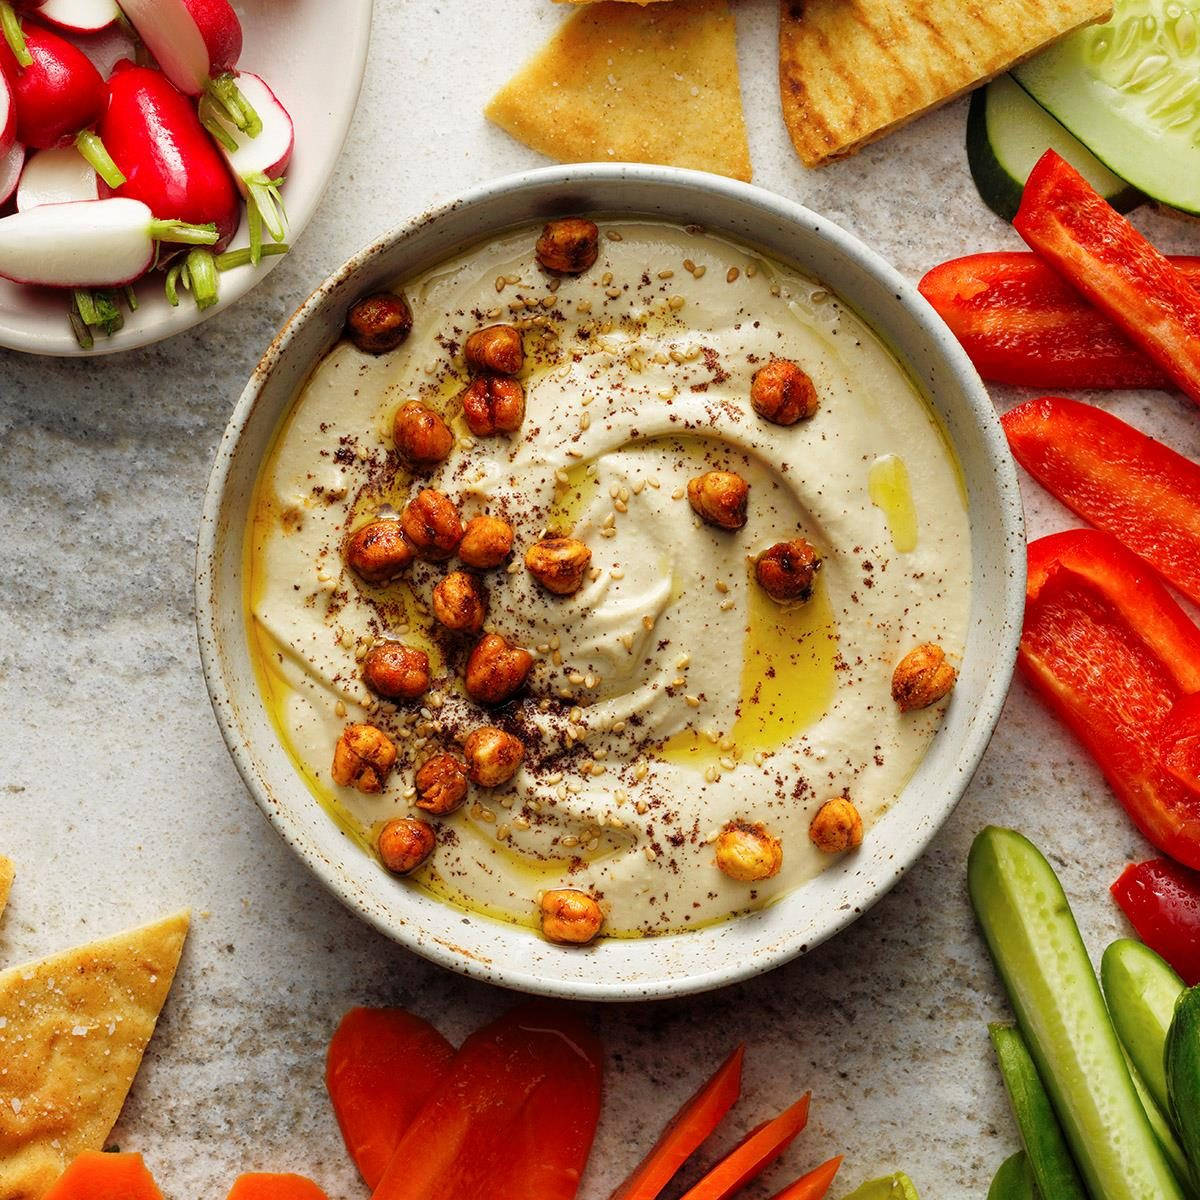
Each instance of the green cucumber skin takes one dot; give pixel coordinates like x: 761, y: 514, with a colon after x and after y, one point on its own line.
x: 1014, y: 1180
x: 1141, y: 991
x: 1046, y: 1148
x: 1183, y: 1074
x: 1040, y: 956
x: 1165, y: 1134
x: 996, y: 187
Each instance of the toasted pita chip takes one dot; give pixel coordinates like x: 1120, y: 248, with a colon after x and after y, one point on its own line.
x: 73, y: 1028
x: 851, y: 71
x: 7, y: 871
x: 642, y: 2
x: 625, y: 83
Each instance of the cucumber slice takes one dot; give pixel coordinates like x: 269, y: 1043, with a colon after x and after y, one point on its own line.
x: 1164, y: 1132
x: 1130, y: 91
x: 1183, y: 1074
x: 1045, y: 1146
x: 1014, y: 1180
x: 1007, y: 132
x: 1036, y: 945
x: 1141, y: 991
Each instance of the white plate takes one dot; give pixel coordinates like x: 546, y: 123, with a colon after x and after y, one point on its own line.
x: 313, y: 53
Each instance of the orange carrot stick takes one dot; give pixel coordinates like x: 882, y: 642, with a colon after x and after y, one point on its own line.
x: 382, y: 1065
x: 685, y: 1131
x: 275, y: 1187
x: 97, y: 1176
x: 814, y: 1185
x: 750, y: 1159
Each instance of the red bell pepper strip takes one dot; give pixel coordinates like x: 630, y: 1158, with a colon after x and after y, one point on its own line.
x: 685, y: 1132
x: 94, y: 1175
x: 1074, y: 229
x: 1021, y: 323
x: 753, y: 1156
x: 814, y: 1185
x: 382, y: 1065
x: 1162, y: 900
x: 1179, y: 742
x: 1105, y: 652
x: 275, y: 1187
x: 475, y: 1135
x: 1116, y: 477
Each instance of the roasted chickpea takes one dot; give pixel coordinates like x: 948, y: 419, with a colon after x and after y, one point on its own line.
x: 747, y: 852
x: 487, y: 542
x: 379, y: 323
x: 719, y: 498
x: 422, y: 438
x: 570, y: 917
x: 837, y: 827
x: 782, y: 393
x: 405, y: 843
x: 459, y: 603
x: 363, y: 758
x: 377, y: 552
x: 497, y: 348
x: 788, y: 570
x: 493, y: 404
x: 493, y: 756
x: 441, y: 783
x: 396, y: 671
x: 432, y: 525
x: 558, y: 564
x: 496, y: 669
x: 922, y: 677
x: 568, y: 246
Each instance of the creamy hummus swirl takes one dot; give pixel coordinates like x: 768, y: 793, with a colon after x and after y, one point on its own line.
x: 670, y: 694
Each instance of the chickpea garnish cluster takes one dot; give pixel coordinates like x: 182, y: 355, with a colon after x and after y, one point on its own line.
x: 422, y: 438
x: 558, y: 564
x: 922, y: 677
x: 747, y: 852
x: 837, y: 827
x: 379, y: 323
x: 782, y: 393
x: 570, y: 917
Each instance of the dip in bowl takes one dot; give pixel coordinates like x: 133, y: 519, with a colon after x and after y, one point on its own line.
x: 744, y: 473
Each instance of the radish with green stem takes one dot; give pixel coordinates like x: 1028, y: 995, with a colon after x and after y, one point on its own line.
x: 58, y: 98
x: 89, y: 243
x: 56, y: 176
x: 257, y: 163
x: 80, y: 16
x: 200, y: 271
x: 197, y: 44
x: 169, y: 162
x: 10, y: 24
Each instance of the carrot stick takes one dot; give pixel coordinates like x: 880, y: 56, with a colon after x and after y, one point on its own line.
x: 814, y: 1185
x: 275, y: 1187
x: 97, y: 1176
x: 750, y: 1159
x: 685, y: 1131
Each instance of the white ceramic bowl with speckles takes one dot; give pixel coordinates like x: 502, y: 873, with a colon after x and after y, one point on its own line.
x: 514, y: 956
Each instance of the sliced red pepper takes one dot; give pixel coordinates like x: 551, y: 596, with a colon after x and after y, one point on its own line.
x: 748, y: 1160
x: 1085, y: 651
x: 1117, y: 478
x: 275, y: 1187
x: 1074, y: 229
x: 1179, y: 742
x: 382, y: 1065
x: 685, y: 1132
x: 1162, y: 901
x: 1022, y: 323
x: 514, y: 1116
x: 814, y: 1185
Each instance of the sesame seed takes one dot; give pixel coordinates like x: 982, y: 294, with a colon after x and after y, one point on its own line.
x: 688, y: 265
x: 562, y: 477
x: 698, y: 273
x: 554, y: 284
x: 680, y: 682
x: 617, y: 573
x: 685, y: 661
x: 666, y: 274
x: 340, y: 708
x: 775, y: 289
x: 521, y: 823
x: 409, y: 792
x: 642, y: 808
x: 722, y: 586
x: 692, y: 701
x: 712, y: 836
x: 514, y: 566
x: 503, y: 832
x: 731, y: 274
x: 606, y: 278
x: 751, y: 270
x: 500, y: 282
x: 727, y: 763
x: 640, y: 772
x: 608, y: 533
x: 612, y: 235
x: 569, y: 841
x: 678, y: 493
x: 619, y: 727
x: 555, y: 779
x: 594, y: 574
x: 712, y: 735
x: 712, y: 775
x: 556, y: 658
x: 725, y: 605
x: 612, y: 293
x: 575, y: 677
x: 675, y: 303
x: 649, y: 852
x: 590, y: 680
x: 620, y: 506
x: 637, y: 487
x: 654, y: 484
x: 647, y: 623
x: 585, y: 421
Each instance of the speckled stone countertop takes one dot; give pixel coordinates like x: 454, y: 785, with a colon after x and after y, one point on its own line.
x: 118, y: 801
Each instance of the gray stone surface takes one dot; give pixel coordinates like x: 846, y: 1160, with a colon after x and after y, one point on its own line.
x: 118, y: 802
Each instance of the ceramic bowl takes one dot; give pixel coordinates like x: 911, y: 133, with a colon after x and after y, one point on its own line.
x: 705, y: 958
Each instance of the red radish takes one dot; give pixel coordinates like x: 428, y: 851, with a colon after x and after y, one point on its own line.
x: 8, y: 114
x: 169, y: 162
x: 12, y: 164
x: 89, y: 243
x: 56, y: 176
x: 59, y: 97
x: 197, y: 43
x: 14, y: 35
x: 80, y: 16
x: 257, y: 163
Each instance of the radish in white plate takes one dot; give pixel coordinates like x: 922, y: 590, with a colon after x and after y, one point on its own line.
x: 88, y: 243
x: 80, y: 16
x: 12, y: 164
x: 257, y: 162
x: 56, y: 176
x: 10, y: 25
x: 197, y: 44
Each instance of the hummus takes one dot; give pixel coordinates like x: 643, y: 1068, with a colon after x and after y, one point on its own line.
x: 671, y: 695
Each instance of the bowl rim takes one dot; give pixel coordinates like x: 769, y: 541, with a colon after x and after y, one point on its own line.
x: 988, y: 704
